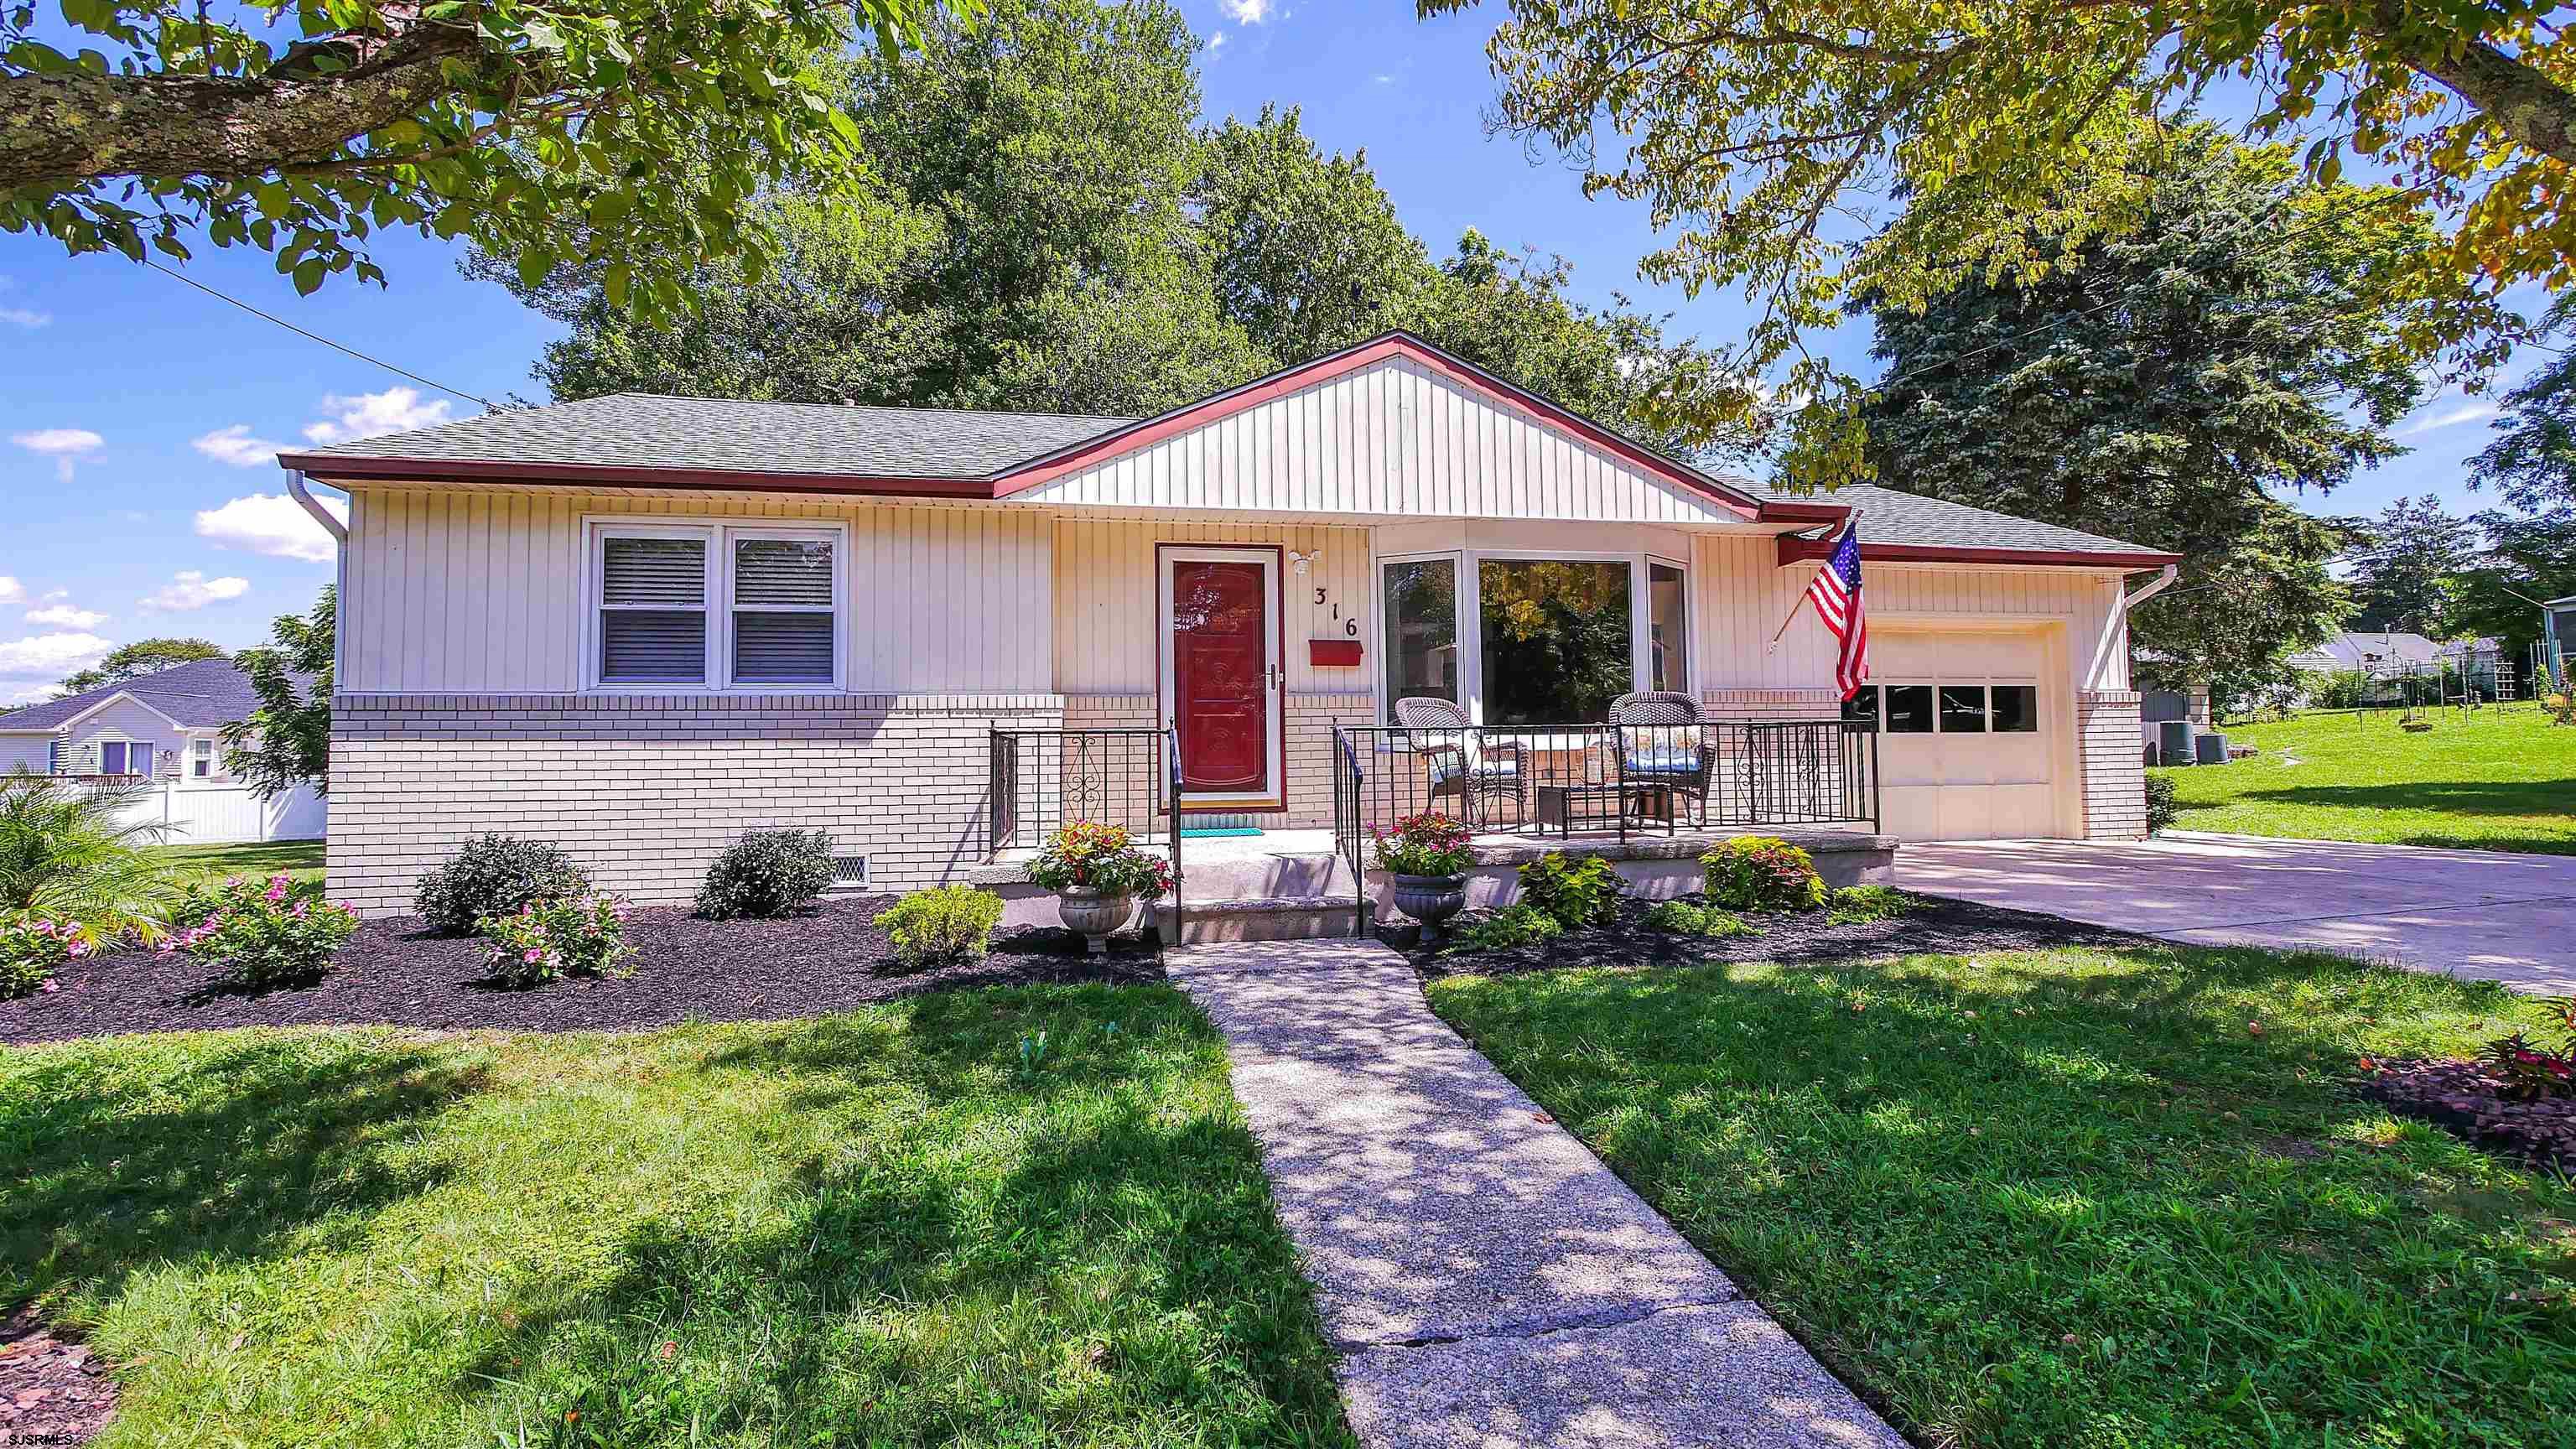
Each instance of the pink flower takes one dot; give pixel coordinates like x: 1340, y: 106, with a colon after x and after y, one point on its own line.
x: 77, y: 950
x: 532, y: 956
x: 50, y: 985
x: 44, y: 928
x: 302, y: 910
x: 277, y: 891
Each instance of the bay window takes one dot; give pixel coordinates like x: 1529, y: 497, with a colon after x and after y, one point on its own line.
x: 1522, y: 638
x: 715, y: 607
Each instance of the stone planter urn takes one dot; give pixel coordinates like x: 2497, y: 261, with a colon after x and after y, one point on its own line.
x: 1094, y: 915
x: 1430, y: 899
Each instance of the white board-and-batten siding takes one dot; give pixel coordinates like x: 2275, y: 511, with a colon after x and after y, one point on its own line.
x: 1108, y: 624
x: 1392, y: 439
x: 450, y: 591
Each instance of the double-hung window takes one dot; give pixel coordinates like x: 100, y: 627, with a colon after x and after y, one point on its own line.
x: 715, y: 606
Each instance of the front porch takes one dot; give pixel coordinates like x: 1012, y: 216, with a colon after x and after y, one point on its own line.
x: 1651, y: 800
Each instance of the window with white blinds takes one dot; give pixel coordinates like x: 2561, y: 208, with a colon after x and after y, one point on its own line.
x: 782, y: 610
x: 652, y: 610
x: 716, y: 606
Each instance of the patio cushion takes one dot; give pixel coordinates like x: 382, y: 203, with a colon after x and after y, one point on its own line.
x: 1662, y: 762
x: 1446, y: 767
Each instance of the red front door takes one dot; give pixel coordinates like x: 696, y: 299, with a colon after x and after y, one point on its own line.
x: 1220, y: 689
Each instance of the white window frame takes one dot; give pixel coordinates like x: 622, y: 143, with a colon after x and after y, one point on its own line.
x: 719, y: 536
x: 1469, y: 564
x: 201, y: 751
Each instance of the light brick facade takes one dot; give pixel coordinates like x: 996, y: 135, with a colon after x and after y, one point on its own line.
x: 645, y: 790
x: 2114, y: 765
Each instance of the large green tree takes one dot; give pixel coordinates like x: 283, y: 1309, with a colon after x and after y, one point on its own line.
x: 1773, y: 137
x: 2527, y: 558
x: 2406, y: 577
x: 2163, y: 390
x: 303, y: 128
x: 2532, y: 462
x: 286, y: 741
x: 143, y: 656
x: 1049, y: 230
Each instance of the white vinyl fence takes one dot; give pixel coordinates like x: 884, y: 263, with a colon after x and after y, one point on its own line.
x: 229, y: 814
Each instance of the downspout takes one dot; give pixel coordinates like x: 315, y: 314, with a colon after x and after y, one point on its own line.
x: 2120, y: 616
x: 312, y: 505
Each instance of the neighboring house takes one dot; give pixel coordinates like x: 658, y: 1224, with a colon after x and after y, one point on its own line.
x: 157, y: 725
x: 2557, y: 632
x: 641, y: 625
x: 163, y: 728
x: 2387, y: 652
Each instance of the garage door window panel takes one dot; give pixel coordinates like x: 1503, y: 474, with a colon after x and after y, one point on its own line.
x: 1963, y: 709
x: 2016, y: 709
x: 1909, y: 709
x: 1862, y: 708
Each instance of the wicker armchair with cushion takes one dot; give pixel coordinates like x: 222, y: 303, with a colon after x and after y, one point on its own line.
x: 1663, y: 744
x: 1457, y: 763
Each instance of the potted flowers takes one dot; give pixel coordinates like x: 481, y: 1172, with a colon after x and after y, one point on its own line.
x: 1428, y: 858
x: 1097, y: 874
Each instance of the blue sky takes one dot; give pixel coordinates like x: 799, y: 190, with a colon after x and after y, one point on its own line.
x: 138, y: 413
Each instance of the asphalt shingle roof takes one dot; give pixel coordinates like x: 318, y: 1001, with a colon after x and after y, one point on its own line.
x: 1890, y: 517
x: 645, y: 430
x: 199, y: 695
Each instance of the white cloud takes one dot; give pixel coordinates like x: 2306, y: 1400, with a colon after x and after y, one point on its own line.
x: 66, y: 616
x: 27, y: 317
x: 1382, y: 78
x: 368, y: 414
x: 2467, y: 412
x: 1246, y: 12
x: 1216, y: 43
x: 50, y: 656
x: 273, y: 524
x: 236, y: 446
x: 190, y: 589
x: 11, y: 591
x: 63, y: 445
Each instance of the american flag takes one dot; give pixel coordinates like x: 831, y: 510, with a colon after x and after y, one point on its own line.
x: 1836, y: 595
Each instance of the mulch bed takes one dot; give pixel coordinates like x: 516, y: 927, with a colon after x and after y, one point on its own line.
x: 685, y: 969
x: 52, y: 1390
x: 2469, y: 1100
x: 1937, y: 925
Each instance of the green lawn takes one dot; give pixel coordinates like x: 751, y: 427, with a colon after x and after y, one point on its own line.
x: 210, y: 864
x: 2495, y: 779
x: 908, y: 1225
x: 2070, y: 1199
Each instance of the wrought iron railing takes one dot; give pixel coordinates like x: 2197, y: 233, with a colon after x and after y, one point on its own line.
x: 1624, y: 779
x: 1039, y: 780
x: 1350, y: 783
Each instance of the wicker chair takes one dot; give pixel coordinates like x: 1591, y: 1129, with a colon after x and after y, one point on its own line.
x: 1458, y: 763
x: 1662, y: 744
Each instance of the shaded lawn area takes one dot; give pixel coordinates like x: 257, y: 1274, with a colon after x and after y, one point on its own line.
x: 2494, y: 779
x: 910, y: 1224
x: 2069, y: 1198
x: 210, y: 864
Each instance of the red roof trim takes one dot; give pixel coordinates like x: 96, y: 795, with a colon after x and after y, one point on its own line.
x: 327, y: 466
x: 1093, y: 451
x: 1793, y: 549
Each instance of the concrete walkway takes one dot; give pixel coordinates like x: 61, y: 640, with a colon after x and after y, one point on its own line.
x: 2482, y: 914
x: 1488, y: 1282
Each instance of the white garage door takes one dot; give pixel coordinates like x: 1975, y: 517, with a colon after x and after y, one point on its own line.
x: 1964, y: 751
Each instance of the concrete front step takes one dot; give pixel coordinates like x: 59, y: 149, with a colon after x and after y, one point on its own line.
x: 1272, y: 918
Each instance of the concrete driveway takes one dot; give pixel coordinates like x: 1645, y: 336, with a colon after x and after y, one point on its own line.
x: 2480, y: 914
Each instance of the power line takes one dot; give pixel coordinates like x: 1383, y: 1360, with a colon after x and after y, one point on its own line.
x: 317, y: 337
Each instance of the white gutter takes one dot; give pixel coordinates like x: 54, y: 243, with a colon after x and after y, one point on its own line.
x: 330, y: 522
x: 2120, y: 616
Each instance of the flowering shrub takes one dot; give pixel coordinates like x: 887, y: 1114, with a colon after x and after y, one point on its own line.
x: 1575, y: 893
x: 262, y: 933
x: 942, y: 925
x: 33, y: 947
x: 1090, y: 854
x: 1762, y: 873
x: 1427, y: 844
x: 583, y: 934
x: 2530, y: 1072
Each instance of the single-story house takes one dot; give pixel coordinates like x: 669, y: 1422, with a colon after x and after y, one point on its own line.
x: 166, y: 723
x: 2384, y: 651
x: 641, y: 625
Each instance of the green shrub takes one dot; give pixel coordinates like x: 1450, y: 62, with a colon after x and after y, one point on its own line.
x: 1762, y: 873
x: 2162, y: 808
x: 70, y: 854
x: 582, y: 934
x: 1513, y: 925
x: 494, y: 875
x: 941, y: 926
x: 767, y: 873
x: 1683, y: 918
x: 261, y: 934
x: 1576, y: 893
x: 1854, y: 904
x: 33, y: 947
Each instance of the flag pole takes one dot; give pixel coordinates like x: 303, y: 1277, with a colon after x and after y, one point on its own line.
x: 1850, y: 522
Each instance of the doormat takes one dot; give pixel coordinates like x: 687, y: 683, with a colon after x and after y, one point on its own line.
x: 1219, y: 832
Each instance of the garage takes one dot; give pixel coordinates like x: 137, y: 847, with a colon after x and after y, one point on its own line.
x: 1972, y: 740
